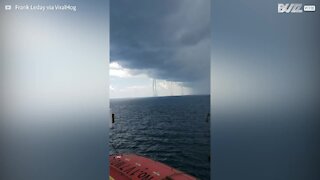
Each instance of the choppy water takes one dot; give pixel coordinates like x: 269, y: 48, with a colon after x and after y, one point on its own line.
x: 172, y: 130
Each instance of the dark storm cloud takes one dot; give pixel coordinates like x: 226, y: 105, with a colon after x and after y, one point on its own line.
x: 166, y: 39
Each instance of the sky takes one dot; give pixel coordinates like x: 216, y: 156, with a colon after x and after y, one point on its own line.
x: 163, y: 41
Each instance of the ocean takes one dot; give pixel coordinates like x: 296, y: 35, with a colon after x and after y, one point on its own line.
x: 173, y: 130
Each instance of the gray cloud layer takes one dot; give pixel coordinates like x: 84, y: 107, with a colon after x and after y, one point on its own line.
x: 166, y: 39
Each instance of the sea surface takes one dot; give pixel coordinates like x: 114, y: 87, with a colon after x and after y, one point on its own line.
x: 173, y: 130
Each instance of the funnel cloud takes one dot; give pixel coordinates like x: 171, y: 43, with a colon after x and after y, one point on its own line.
x: 163, y: 40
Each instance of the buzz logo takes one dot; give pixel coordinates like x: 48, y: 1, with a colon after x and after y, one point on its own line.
x: 290, y: 8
